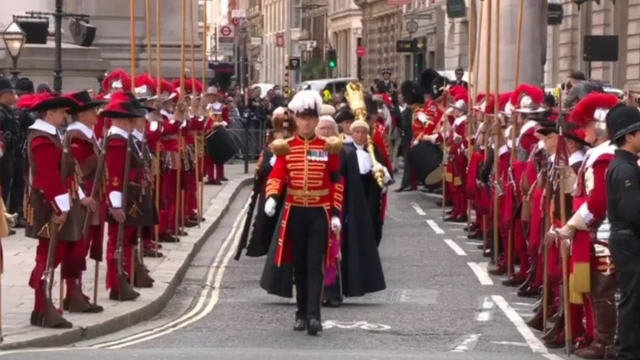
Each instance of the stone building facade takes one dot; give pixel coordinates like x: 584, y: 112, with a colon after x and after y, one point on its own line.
x: 345, y: 34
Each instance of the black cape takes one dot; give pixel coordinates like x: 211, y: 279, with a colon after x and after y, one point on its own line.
x: 263, y: 226
x: 362, y: 227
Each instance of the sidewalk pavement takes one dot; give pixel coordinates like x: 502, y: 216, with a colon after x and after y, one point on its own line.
x: 168, y: 271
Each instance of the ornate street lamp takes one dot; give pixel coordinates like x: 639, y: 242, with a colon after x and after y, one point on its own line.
x: 14, y: 39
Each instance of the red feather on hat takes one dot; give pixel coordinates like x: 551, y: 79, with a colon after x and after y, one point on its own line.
x: 119, y: 97
x: 115, y: 75
x: 534, y: 92
x: 456, y: 90
x: 176, y: 83
x: 503, y: 100
x: 479, y: 98
x: 189, y: 85
x: 585, y: 109
x: 148, y: 80
x: 26, y: 101
x: 462, y: 95
x: 490, y: 105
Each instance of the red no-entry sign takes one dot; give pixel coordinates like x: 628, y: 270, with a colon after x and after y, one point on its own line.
x: 361, y: 51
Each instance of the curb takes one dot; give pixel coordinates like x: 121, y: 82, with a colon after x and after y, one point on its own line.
x: 136, y: 316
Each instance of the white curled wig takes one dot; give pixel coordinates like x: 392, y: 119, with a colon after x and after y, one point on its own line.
x: 328, y: 119
x: 306, y: 102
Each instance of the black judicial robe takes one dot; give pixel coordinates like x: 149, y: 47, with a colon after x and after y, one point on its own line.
x: 264, y: 226
x: 361, y: 227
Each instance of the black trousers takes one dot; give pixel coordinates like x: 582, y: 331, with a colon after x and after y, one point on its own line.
x: 406, y: 176
x: 308, y: 232
x: 625, y: 250
x: 12, y: 180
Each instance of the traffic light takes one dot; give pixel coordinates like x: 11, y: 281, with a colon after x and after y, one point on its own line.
x: 332, y: 58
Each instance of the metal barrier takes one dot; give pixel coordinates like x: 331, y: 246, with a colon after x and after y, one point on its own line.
x: 250, y: 137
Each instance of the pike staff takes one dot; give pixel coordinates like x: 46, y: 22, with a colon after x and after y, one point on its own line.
x: 486, y: 123
x: 200, y: 153
x: 178, y: 212
x: 514, y: 124
x: 565, y: 246
x: 147, y: 17
x: 471, y: 121
x: 156, y: 160
x: 132, y: 41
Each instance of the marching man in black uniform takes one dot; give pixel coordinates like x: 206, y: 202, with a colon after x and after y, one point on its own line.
x: 310, y: 166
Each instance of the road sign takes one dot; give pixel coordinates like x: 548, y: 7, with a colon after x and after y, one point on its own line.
x: 361, y: 51
x: 226, y: 40
x: 238, y: 13
x: 279, y: 40
x: 255, y: 41
x: 235, y: 21
x: 411, y: 26
x: 294, y: 63
x: 226, y: 31
x: 404, y: 46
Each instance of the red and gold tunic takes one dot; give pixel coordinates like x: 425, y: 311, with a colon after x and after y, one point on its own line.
x: 311, y: 170
x: 590, y: 203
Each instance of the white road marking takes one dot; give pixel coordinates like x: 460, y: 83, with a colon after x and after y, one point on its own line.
x: 362, y: 325
x: 468, y: 342
x: 457, y: 249
x: 435, y: 196
x: 523, y: 304
x: 510, y: 343
x: 485, y: 310
x: 480, y: 270
x: 418, y: 209
x: 532, y: 341
x: 435, y: 227
x: 210, y: 292
x: 461, y: 236
x: 470, y: 242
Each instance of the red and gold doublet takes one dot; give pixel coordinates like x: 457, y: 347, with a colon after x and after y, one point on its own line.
x: 310, y: 168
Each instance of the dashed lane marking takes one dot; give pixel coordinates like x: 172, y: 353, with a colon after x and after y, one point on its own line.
x: 510, y: 343
x: 480, y: 270
x: 457, y: 249
x: 532, y: 341
x: 467, y: 343
x: 418, y: 209
x: 485, y: 310
x: 435, y: 227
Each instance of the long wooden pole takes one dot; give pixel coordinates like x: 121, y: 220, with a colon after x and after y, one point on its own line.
x: 496, y: 145
x: 487, y: 118
x: 147, y: 16
x: 182, y: 93
x: 514, y: 126
x: 132, y: 41
x: 158, y: 91
x: 200, y: 134
x: 471, y: 35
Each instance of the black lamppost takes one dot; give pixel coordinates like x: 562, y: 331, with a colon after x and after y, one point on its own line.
x: 57, y: 66
x: 14, y: 39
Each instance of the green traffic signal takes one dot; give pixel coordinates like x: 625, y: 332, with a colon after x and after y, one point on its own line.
x: 332, y: 64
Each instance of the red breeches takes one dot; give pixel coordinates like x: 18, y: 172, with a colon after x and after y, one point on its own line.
x: 190, y: 193
x: 168, y: 199
x: 129, y: 238
x: 70, y: 254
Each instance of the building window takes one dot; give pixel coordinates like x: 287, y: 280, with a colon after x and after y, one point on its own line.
x: 201, y: 12
x: 297, y: 15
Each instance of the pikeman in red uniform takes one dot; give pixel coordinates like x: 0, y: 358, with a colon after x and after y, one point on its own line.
x: 125, y: 210
x: 310, y: 168
x: 218, y: 115
x: 85, y: 149
x: 169, y: 158
x: 457, y: 144
x: 54, y: 211
x: 190, y: 129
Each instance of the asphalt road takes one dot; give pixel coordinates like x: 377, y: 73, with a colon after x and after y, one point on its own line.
x: 440, y: 304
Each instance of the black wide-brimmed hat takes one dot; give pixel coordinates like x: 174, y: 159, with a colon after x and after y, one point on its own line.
x: 570, y: 131
x: 46, y: 101
x: 624, y: 120
x: 85, y: 102
x: 24, y: 86
x: 344, y: 114
x: 5, y: 85
x: 120, y: 107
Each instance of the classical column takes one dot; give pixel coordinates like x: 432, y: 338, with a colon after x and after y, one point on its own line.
x: 531, y: 49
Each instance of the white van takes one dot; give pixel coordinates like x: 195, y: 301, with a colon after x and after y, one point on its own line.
x: 333, y: 85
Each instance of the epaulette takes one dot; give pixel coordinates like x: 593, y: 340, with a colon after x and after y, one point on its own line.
x: 333, y: 145
x: 280, y: 147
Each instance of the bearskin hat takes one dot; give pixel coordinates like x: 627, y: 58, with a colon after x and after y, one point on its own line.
x: 432, y: 83
x: 411, y: 93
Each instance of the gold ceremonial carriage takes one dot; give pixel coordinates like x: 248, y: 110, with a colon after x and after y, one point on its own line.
x: 354, y: 94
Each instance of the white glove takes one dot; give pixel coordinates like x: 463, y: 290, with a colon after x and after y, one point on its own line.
x: 430, y: 138
x: 270, y: 207
x: 384, y: 190
x: 415, y: 143
x: 335, y: 224
x: 570, y: 180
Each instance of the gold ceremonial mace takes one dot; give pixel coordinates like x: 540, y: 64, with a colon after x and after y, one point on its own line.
x: 486, y: 122
x: 200, y: 153
x: 132, y: 41
x: 183, y: 36
x: 514, y: 124
x: 158, y: 144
